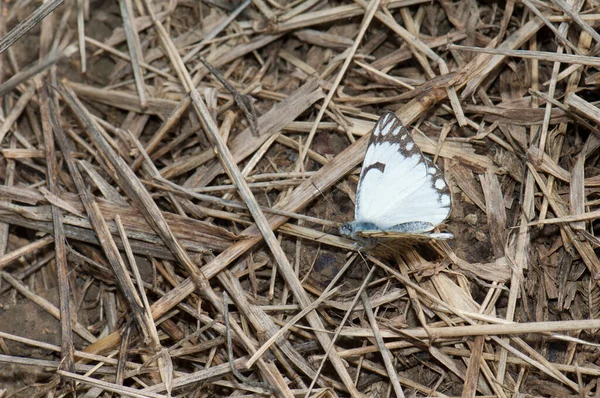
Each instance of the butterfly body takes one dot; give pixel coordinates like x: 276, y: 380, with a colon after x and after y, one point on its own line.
x: 401, y: 194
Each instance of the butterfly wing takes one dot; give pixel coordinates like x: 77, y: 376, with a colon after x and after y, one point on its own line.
x: 395, y: 235
x: 397, y: 184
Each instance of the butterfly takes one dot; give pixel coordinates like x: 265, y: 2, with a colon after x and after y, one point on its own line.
x: 401, y: 194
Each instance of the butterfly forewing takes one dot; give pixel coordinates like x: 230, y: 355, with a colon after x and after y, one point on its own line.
x: 397, y: 184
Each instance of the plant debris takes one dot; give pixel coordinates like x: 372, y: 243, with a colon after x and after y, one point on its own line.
x: 174, y: 175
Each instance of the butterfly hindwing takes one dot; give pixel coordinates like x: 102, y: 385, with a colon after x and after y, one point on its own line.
x: 399, y: 190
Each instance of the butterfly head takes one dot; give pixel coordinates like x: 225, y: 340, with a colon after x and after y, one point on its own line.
x: 353, y: 230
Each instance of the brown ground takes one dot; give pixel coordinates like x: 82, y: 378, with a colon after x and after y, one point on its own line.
x: 523, y: 178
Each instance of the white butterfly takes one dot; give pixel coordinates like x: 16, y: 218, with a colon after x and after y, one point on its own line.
x: 401, y: 194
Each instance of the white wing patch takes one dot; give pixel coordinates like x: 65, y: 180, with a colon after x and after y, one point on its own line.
x: 398, y: 185
x: 440, y: 184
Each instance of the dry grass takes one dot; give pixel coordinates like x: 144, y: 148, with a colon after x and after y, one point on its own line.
x: 173, y: 174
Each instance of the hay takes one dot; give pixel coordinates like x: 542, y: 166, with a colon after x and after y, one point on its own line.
x: 173, y: 175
